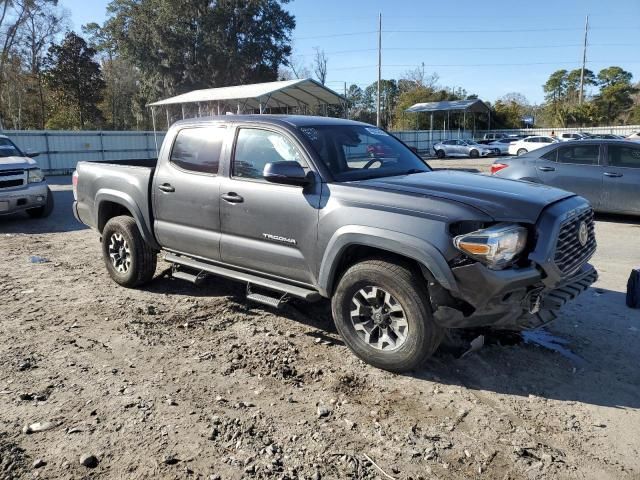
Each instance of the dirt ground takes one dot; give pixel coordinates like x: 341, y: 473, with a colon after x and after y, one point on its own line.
x: 176, y: 381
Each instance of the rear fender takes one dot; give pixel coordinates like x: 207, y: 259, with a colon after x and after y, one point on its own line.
x: 421, y: 251
x: 125, y: 200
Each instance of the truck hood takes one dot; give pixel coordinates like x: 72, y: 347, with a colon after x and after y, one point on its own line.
x: 14, y: 163
x: 502, y: 199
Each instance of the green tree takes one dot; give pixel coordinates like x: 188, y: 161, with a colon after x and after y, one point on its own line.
x: 388, y: 99
x: 573, y: 84
x: 555, y: 90
x: 76, y: 83
x: 509, y: 110
x: 201, y: 44
x: 616, y: 91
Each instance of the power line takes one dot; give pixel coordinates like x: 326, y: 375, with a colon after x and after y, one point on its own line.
x: 519, y: 30
x: 511, y: 47
x: 530, y: 64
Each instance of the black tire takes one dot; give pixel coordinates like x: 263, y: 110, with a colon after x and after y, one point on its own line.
x: 474, y: 154
x: 440, y: 153
x: 407, y: 288
x: 521, y: 151
x: 45, y: 210
x: 137, y: 261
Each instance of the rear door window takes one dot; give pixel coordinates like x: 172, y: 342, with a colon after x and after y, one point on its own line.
x: 552, y: 156
x: 579, y: 154
x: 624, y: 156
x: 198, y: 149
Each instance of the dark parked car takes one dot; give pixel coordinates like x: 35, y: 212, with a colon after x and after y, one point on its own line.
x: 605, y: 172
x: 297, y: 207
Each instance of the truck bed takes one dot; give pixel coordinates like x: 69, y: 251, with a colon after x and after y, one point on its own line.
x: 128, y: 183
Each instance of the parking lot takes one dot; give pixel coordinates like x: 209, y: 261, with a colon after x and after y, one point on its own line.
x: 192, y: 382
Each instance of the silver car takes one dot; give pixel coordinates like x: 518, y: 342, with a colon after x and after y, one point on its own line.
x: 463, y: 148
x: 503, y: 144
x: 605, y: 172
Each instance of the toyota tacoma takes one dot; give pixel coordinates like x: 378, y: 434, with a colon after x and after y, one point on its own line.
x: 310, y: 207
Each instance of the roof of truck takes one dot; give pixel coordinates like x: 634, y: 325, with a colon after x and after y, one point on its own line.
x: 293, y: 120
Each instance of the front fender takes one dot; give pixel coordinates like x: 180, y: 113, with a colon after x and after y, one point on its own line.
x: 121, y: 198
x: 395, y: 242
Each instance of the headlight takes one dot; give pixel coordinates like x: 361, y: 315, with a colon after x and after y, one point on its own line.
x: 35, y: 175
x: 495, y: 246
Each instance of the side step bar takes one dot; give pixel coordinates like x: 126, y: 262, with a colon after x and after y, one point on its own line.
x: 292, y: 290
x: 189, y: 277
x: 275, y: 300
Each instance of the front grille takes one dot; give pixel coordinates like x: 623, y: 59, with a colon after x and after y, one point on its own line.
x: 11, y: 173
x: 9, y: 178
x: 570, y: 253
x: 11, y: 183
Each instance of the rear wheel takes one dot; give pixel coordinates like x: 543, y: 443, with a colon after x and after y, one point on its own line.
x: 129, y: 260
x: 474, y: 154
x: 380, y: 309
x: 440, y: 153
x: 45, y: 210
x: 521, y: 151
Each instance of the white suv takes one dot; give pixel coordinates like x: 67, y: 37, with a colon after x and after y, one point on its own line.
x: 530, y: 143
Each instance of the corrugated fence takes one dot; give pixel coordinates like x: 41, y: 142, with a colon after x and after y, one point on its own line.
x: 60, y: 151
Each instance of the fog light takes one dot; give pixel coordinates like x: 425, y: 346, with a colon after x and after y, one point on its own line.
x: 39, y: 198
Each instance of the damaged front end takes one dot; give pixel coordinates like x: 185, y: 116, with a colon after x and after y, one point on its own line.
x: 551, y: 270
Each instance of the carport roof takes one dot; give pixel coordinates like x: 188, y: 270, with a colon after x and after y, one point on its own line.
x: 287, y: 93
x: 474, y: 105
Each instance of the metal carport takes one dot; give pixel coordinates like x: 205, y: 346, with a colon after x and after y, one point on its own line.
x: 298, y: 95
x: 473, y: 106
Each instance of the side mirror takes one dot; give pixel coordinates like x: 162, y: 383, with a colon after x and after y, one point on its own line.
x: 31, y: 154
x: 286, y: 173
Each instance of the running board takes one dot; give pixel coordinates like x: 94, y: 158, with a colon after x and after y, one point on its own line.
x: 293, y: 290
x: 189, y: 277
x: 276, y: 301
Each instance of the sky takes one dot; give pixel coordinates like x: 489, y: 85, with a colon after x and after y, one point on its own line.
x: 489, y: 48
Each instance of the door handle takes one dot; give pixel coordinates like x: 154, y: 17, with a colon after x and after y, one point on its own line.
x: 546, y: 169
x: 612, y: 174
x: 167, y: 187
x: 232, y: 197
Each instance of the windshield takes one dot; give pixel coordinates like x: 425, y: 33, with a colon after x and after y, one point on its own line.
x: 358, y: 152
x: 8, y: 149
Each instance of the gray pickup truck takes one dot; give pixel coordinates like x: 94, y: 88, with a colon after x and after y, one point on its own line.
x: 23, y: 187
x: 311, y: 207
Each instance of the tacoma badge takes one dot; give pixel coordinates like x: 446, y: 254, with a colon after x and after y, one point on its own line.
x: 277, y: 238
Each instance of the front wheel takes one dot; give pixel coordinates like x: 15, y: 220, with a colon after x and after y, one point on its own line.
x: 130, y: 261
x: 474, y: 154
x: 380, y: 309
x: 440, y: 153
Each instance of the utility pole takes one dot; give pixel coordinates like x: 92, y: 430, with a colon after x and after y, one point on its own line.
x: 379, y: 66
x: 346, y: 102
x: 584, y: 60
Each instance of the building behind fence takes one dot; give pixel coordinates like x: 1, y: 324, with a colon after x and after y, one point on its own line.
x: 60, y: 151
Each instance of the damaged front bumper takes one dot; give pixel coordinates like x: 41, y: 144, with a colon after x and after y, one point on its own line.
x: 510, y: 299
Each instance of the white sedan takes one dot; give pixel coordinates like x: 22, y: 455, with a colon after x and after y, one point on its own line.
x: 529, y: 144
